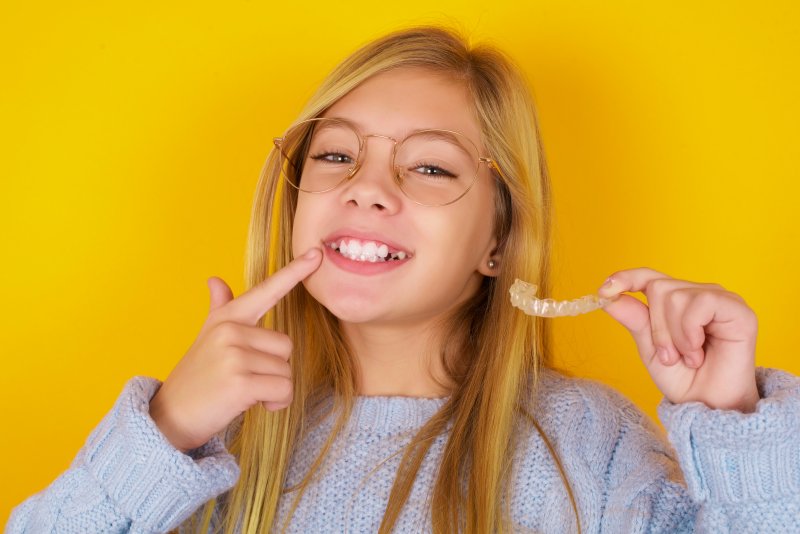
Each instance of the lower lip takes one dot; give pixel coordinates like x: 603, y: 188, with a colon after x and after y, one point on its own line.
x: 362, y: 267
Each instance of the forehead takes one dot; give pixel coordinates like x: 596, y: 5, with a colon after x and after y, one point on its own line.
x: 402, y: 100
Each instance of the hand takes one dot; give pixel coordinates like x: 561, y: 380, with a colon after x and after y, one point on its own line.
x: 233, y: 363
x: 697, y: 341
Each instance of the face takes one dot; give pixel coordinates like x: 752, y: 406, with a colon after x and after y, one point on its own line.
x: 443, y: 251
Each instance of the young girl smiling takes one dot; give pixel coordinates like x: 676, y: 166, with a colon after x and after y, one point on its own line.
x: 375, y: 377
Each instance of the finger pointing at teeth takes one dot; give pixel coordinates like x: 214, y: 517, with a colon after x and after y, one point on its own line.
x: 253, y: 304
x: 233, y: 364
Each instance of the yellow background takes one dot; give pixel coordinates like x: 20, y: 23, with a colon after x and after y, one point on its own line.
x: 133, y: 136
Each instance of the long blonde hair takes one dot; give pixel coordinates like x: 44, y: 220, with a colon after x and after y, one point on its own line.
x: 493, y: 362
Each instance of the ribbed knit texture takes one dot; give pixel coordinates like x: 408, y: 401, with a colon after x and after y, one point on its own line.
x: 741, y: 471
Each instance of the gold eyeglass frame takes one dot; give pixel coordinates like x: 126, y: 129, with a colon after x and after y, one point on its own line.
x: 278, y: 142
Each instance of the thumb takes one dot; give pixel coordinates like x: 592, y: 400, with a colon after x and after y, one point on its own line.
x: 635, y: 316
x: 221, y: 294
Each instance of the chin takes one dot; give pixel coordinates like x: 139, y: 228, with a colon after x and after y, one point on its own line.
x: 346, y: 304
x: 351, y: 312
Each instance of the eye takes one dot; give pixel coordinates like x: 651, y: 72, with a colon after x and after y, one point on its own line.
x: 332, y: 157
x: 430, y: 170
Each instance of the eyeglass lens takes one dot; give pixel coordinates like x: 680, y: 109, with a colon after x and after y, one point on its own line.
x: 432, y: 167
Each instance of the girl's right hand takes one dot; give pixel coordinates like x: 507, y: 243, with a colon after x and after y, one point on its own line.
x: 233, y: 363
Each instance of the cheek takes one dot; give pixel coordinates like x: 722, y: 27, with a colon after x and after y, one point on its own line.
x: 456, y: 246
x: 471, y: 247
x: 469, y: 233
x: 303, y: 227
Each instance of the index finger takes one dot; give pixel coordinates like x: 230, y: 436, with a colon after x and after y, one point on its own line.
x: 250, y: 306
x: 630, y: 280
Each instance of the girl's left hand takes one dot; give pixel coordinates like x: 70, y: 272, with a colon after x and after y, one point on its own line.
x: 696, y: 340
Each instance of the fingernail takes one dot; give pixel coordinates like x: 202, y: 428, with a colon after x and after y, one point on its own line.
x: 607, y: 284
x: 663, y: 355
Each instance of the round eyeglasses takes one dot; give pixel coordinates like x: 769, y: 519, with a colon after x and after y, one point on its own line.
x: 431, y: 167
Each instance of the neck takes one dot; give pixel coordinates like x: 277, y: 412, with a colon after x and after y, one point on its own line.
x: 398, y: 361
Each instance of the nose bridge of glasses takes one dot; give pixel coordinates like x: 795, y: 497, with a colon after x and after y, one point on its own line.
x: 380, y: 136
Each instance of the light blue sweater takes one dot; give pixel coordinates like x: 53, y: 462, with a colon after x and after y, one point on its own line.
x: 734, y: 472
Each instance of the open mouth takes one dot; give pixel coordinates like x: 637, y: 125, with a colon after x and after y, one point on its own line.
x: 367, y: 251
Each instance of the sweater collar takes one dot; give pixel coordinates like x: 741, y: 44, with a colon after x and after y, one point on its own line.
x: 386, y: 414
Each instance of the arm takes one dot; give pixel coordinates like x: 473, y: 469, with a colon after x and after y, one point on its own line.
x: 128, y: 477
x: 729, y: 472
x: 697, y: 342
x: 742, y: 469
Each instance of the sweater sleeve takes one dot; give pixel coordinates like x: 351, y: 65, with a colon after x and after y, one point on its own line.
x: 742, y: 470
x: 726, y: 472
x: 128, y: 477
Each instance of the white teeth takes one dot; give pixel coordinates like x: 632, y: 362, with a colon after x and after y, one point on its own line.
x: 354, y: 248
x: 367, y: 251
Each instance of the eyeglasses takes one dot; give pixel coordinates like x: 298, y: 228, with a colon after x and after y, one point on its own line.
x: 431, y: 167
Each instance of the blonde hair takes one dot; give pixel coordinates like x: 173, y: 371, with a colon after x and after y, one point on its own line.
x: 494, y: 363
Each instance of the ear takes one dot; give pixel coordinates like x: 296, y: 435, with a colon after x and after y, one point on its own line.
x: 490, y: 254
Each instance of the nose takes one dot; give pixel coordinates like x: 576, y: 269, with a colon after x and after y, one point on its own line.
x: 373, y: 184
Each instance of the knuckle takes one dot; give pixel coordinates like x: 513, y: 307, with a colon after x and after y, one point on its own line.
x: 674, y: 298
x: 707, y: 298
x: 659, y: 286
x: 226, y: 332
x: 235, y: 360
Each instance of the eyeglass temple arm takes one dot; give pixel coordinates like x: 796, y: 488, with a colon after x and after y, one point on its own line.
x: 278, y: 141
x: 493, y: 164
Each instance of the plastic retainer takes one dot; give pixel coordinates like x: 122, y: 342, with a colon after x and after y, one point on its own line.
x: 523, y: 296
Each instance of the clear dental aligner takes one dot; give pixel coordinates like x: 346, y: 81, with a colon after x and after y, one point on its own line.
x: 523, y: 296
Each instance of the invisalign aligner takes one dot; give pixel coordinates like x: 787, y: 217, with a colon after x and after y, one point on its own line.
x: 523, y: 296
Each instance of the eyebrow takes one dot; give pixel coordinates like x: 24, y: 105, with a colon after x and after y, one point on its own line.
x: 449, y: 138
x: 439, y: 134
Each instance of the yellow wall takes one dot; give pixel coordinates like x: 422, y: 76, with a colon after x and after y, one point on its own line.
x: 133, y: 136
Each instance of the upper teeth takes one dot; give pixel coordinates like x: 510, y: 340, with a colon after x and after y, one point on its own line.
x: 366, y: 251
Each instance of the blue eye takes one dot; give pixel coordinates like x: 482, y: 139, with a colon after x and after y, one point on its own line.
x: 332, y: 157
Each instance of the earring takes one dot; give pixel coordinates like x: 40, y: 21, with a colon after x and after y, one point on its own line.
x: 492, y: 264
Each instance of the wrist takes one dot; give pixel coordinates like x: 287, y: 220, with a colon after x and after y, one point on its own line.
x: 744, y: 403
x: 161, y: 418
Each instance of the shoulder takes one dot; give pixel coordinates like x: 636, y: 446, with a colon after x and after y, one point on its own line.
x: 613, y: 456
x: 595, y: 428
x: 560, y: 400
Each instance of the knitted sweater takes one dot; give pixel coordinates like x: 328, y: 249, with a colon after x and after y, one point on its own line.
x: 725, y: 471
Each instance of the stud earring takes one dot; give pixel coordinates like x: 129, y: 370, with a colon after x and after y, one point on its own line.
x: 492, y: 264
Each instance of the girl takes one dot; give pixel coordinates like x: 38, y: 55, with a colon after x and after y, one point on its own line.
x: 381, y: 381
